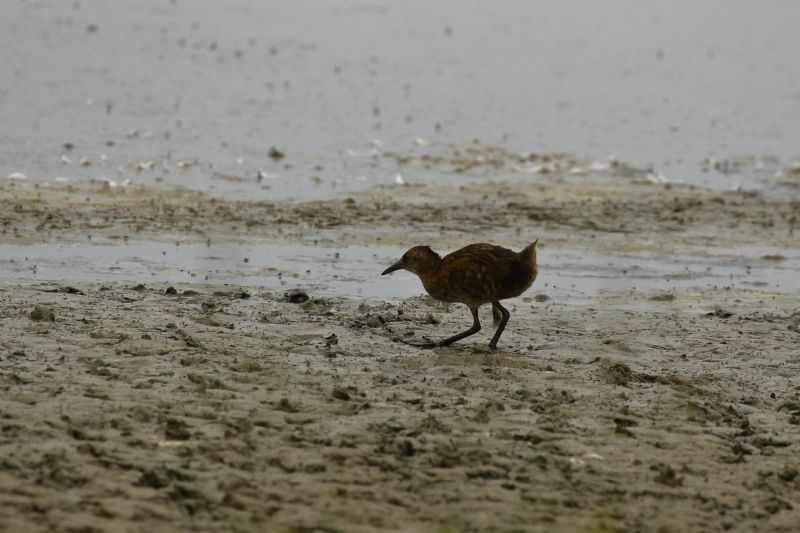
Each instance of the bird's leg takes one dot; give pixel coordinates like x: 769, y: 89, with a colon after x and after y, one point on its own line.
x: 502, y: 326
x: 476, y: 327
x: 497, y: 316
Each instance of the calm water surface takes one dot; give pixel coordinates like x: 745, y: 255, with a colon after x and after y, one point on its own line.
x: 195, y: 93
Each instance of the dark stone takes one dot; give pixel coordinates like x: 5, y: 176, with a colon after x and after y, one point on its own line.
x: 296, y: 296
x: 340, y: 394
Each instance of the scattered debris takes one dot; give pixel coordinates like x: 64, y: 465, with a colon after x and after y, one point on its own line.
x: 667, y: 475
x: 430, y: 319
x: 340, y: 394
x: 721, y: 313
x: 788, y: 474
x: 42, y: 313
x: 261, y: 175
x: 64, y: 290
x: 622, y: 425
x: 295, y: 296
x: 656, y: 177
x: 175, y: 429
x: 666, y: 297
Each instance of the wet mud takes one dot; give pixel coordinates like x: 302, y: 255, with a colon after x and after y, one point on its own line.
x: 197, y: 198
x: 648, y: 380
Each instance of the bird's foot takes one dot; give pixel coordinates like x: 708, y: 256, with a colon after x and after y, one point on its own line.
x: 424, y: 345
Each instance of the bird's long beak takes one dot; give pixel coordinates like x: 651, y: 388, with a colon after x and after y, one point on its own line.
x: 396, y: 266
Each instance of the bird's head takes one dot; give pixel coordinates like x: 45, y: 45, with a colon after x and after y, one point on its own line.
x: 420, y: 260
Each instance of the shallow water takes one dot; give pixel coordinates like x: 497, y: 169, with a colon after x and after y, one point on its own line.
x: 354, y: 271
x: 195, y: 93
x: 719, y: 268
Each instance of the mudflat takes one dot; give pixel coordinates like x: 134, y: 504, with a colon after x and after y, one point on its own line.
x: 197, y: 200
x: 647, y: 381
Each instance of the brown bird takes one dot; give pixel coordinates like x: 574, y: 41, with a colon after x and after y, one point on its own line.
x: 474, y: 275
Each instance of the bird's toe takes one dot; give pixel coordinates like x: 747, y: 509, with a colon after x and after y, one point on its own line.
x: 424, y: 345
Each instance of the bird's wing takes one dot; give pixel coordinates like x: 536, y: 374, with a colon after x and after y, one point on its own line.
x: 479, y: 272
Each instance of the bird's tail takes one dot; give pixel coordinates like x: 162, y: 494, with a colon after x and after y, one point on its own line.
x: 530, y: 252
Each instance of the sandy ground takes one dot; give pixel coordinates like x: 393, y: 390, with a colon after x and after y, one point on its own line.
x: 222, y: 407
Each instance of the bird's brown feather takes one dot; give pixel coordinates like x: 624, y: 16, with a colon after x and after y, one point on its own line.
x: 481, y: 273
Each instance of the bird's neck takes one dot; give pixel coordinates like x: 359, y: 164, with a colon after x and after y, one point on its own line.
x: 429, y: 271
